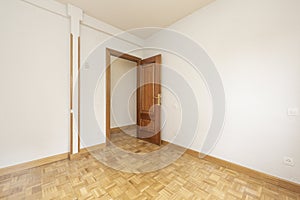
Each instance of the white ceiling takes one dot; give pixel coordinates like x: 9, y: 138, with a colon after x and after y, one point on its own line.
x: 131, y: 14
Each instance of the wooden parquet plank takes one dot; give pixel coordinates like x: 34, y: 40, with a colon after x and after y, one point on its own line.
x: 87, y: 178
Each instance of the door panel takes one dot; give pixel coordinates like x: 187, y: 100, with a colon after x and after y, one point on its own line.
x: 148, y: 100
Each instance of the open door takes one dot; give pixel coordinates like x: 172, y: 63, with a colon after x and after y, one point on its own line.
x: 149, y: 100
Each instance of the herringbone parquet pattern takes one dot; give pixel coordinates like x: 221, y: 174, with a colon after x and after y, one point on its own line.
x: 86, y: 178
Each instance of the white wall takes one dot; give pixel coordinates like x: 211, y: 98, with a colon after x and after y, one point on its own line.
x: 255, y: 46
x: 93, y: 45
x: 123, y: 92
x: 34, y: 81
x: 183, y: 91
x: 90, y: 132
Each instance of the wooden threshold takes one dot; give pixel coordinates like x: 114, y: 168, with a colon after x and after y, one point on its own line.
x: 118, y: 129
x: 250, y: 172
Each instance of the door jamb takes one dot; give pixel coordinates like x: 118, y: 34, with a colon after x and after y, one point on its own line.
x: 109, y: 53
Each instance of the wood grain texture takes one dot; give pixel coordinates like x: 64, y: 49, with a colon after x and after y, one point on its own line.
x: 149, y: 79
x: 256, y: 174
x: 108, y: 91
x: 119, y: 129
x: 250, y: 172
x: 85, y: 151
x: 187, y: 178
x: 78, y: 100
x: 71, y: 93
x: 47, y: 160
x: 32, y: 164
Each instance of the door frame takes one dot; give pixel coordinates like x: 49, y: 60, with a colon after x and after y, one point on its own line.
x: 109, y: 53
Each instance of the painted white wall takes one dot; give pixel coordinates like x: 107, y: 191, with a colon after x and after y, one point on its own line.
x: 123, y: 92
x: 90, y: 132
x: 177, y: 77
x: 255, y: 46
x: 93, y: 45
x: 34, y: 81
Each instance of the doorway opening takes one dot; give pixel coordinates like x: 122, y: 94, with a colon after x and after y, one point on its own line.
x: 133, y: 96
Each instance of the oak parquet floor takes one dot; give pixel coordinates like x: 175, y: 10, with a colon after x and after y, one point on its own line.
x: 186, y: 178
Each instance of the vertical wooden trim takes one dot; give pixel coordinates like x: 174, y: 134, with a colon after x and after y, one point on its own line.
x: 158, y: 88
x: 78, y: 94
x: 137, y: 96
x: 71, y: 93
x: 108, y: 88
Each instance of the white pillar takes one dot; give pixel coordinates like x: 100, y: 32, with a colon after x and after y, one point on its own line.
x: 76, y: 15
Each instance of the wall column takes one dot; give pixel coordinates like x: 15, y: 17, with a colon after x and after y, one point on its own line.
x: 76, y: 16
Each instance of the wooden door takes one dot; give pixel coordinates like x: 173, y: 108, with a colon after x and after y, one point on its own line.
x: 149, y: 100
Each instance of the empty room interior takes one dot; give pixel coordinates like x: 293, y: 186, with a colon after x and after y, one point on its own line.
x: 137, y: 99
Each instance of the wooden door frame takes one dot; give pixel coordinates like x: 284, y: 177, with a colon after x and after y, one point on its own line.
x: 109, y: 53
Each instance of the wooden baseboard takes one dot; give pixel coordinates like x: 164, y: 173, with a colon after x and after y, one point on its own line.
x: 118, y: 129
x: 32, y: 164
x: 256, y: 174
x: 74, y: 156
x: 85, y: 151
x: 47, y: 160
x: 250, y: 172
